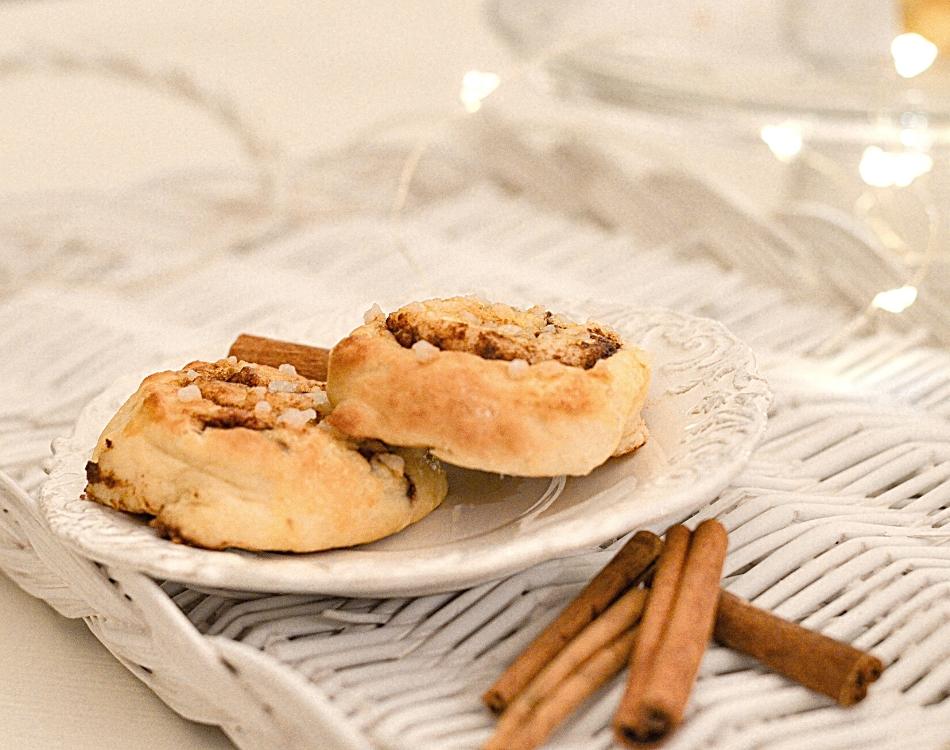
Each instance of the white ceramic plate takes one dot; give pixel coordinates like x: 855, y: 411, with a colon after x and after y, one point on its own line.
x: 706, y: 412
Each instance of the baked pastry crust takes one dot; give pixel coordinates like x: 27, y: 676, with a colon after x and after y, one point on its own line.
x: 491, y: 387
x: 226, y: 454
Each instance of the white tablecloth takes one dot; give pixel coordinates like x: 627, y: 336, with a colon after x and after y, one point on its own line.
x: 310, y: 76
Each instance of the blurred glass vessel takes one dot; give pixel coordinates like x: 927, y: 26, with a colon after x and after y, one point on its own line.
x: 850, y: 68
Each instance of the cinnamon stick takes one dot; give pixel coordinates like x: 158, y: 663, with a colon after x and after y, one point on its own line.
x: 666, y: 657
x: 572, y: 692
x: 669, y: 569
x: 620, y: 617
x: 624, y: 571
x: 816, y: 661
x: 310, y: 361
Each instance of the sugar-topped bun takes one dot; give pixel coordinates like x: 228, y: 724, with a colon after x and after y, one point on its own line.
x: 492, y: 387
x: 231, y: 454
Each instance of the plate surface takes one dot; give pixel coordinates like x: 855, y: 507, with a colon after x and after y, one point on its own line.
x: 706, y: 411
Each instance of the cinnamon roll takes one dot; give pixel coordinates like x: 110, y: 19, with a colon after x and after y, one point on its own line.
x: 489, y: 386
x: 232, y: 454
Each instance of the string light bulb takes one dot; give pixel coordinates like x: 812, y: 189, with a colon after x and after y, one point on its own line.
x: 895, y: 300
x: 882, y: 169
x: 476, y: 86
x: 785, y: 140
x: 913, y: 54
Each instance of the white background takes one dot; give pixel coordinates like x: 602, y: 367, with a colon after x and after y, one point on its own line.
x: 309, y: 75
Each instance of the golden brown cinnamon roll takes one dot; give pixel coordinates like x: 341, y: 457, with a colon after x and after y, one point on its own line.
x: 492, y: 387
x: 231, y: 454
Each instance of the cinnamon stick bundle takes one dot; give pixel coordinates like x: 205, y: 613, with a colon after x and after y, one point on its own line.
x: 677, y: 623
x: 310, y: 361
x: 666, y: 648
x: 625, y: 570
x: 816, y: 661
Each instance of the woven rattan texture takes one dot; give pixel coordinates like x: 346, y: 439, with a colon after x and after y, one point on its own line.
x: 841, y: 521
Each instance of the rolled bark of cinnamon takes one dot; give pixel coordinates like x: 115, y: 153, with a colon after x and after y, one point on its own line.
x: 666, y: 659
x: 619, y: 618
x: 816, y: 661
x: 571, y: 693
x: 662, y: 597
x: 309, y: 361
x: 624, y: 571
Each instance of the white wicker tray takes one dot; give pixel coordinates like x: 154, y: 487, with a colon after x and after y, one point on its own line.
x: 840, y: 521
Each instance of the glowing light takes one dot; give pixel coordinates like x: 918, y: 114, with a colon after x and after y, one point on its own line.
x: 895, y: 300
x: 476, y: 86
x: 913, y: 54
x: 784, y: 140
x: 882, y: 169
x: 916, y: 138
